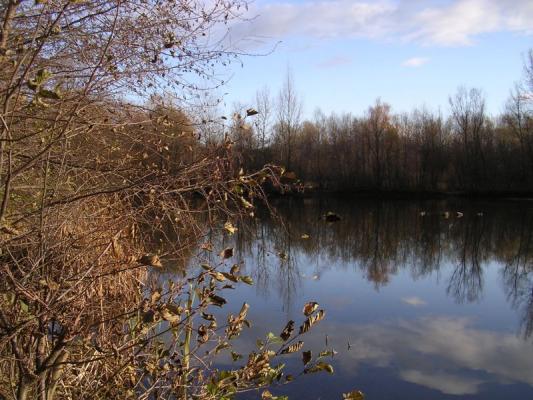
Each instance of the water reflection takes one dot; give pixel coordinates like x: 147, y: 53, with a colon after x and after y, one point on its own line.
x: 441, y: 353
x: 421, y: 302
x: 383, y: 238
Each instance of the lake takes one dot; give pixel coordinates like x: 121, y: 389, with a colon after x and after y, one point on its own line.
x: 423, y: 299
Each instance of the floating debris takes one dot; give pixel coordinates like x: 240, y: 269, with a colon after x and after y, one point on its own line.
x: 332, y: 217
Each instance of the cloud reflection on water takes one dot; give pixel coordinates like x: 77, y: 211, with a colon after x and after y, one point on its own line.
x: 442, y: 353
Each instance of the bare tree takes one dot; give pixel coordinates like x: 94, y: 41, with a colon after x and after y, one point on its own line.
x: 468, y: 114
x: 519, y: 119
x: 263, y: 120
x: 288, y: 118
x: 378, y: 124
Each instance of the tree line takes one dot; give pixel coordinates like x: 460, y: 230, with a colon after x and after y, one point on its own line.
x: 466, y: 150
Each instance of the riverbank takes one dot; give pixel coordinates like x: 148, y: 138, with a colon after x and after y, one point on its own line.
x: 290, y: 191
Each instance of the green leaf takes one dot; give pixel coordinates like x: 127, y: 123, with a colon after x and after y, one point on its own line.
x: 24, y: 306
x: 42, y: 76
x: 247, y: 279
x: 321, y: 366
x: 273, y: 338
x: 49, y: 94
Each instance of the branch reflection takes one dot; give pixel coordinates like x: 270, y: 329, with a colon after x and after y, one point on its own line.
x: 381, y: 238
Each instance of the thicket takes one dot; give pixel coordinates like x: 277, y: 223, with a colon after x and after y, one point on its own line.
x: 103, y: 181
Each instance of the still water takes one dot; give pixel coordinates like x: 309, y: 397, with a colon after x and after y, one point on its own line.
x: 419, y: 304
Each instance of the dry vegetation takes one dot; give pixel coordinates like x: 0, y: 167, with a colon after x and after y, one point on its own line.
x: 100, y: 179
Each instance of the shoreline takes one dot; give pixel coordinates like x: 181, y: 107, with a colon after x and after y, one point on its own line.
x: 405, y: 194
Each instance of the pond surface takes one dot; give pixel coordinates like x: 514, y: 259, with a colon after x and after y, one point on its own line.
x: 419, y: 304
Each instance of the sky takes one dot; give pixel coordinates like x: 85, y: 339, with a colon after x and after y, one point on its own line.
x: 344, y: 54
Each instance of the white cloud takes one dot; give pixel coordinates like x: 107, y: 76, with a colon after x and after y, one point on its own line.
x: 414, y: 301
x: 441, y: 353
x: 452, y: 23
x: 443, y: 348
x: 415, y: 62
x: 443, y: 382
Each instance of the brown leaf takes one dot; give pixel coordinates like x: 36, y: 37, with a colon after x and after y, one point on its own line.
x: 266, y: 395
x: 207, y: 246
x: 312, y: 320
x: 287, y: 331
x: 293, y: 348
x: 310, y: 308
x: 306, y: 357
x: 217, y: 300
x: 231, y: 277
x: 353, y: 395
x: 169, y: 316
x: 227, y: 253
x: 150, y: 260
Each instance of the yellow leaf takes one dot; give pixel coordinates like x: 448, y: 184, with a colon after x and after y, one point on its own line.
x: 230, y: 228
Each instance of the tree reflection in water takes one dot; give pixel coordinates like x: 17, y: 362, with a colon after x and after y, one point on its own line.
x: 381, y: 238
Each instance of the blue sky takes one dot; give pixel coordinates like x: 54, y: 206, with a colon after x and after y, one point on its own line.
x: 346, y: 53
